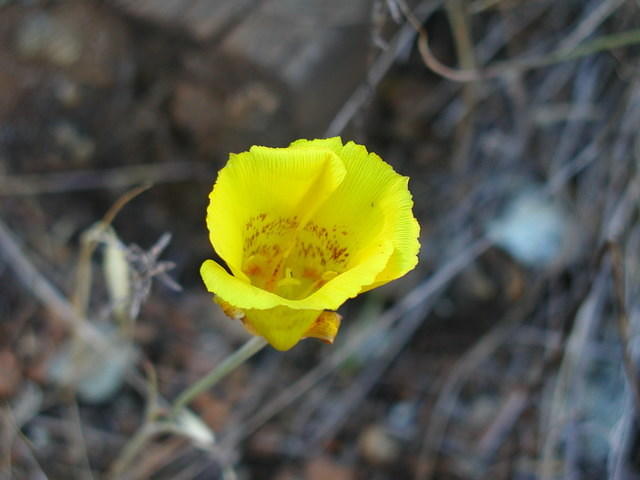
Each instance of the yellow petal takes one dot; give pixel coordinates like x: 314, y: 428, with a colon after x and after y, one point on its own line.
x: 334, y: 144
x: 264, y: 186
x: 282, y: 327
x: 241, y: 294
x: 325, y: 327
x: 404, y: 230
x: 374, y: 205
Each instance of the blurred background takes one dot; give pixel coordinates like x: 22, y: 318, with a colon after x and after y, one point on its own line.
x: 511, y: 352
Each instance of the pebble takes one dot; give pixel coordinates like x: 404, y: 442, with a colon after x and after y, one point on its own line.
x: 43, y: 36
x: 196, y: 109
x: 79, y: 146
x: 91, y: 45
x: 536, y: 229
x: 377, y: 446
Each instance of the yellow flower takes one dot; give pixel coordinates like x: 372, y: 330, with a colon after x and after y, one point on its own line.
x: 302, y: 229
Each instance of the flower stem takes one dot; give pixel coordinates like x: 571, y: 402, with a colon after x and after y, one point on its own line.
x: 237, y: 358
x: 152, y: 426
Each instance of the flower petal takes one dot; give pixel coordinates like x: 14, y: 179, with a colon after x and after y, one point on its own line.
x: 405, y: 231
x: 274, y: 317
x: 241, y: 294
x: 334, y: 144
x: 267, y: 185
x: 325, y: 327
x: 374, y: 203
x: 282, y: 327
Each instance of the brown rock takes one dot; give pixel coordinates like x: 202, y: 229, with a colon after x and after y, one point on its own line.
x: 266, y: 442
x: 10, y: 86
x: 195, y: 109
x: 10, y: 374
x: 15, y: 78
x: 288, y: 473
x: 78, y: 37
x: 213, y: 411
x: 202, y: 19
x: 325, y: 468
x: 317, y: 50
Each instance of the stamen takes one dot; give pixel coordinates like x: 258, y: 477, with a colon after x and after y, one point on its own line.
x: 288, y: 280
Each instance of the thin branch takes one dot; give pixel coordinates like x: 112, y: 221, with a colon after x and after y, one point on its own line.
x: 378, y: 70
x: 109, y: 178
x: 43, y: 290
x: 600, y: 44
x: 623, y: 321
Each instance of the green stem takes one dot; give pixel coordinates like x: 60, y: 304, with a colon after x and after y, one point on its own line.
x: 237, y: 358
x: 152, y: 426
x: 600, y: 44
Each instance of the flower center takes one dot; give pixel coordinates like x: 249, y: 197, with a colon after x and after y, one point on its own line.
x: 290, y: 259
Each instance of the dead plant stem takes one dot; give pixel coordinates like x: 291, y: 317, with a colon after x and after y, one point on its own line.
x: 599, y: 44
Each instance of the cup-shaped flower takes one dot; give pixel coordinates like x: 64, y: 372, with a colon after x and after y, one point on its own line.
x: 302, y: 229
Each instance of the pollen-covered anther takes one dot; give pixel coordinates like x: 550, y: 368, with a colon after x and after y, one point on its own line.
x: 288, y: 280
